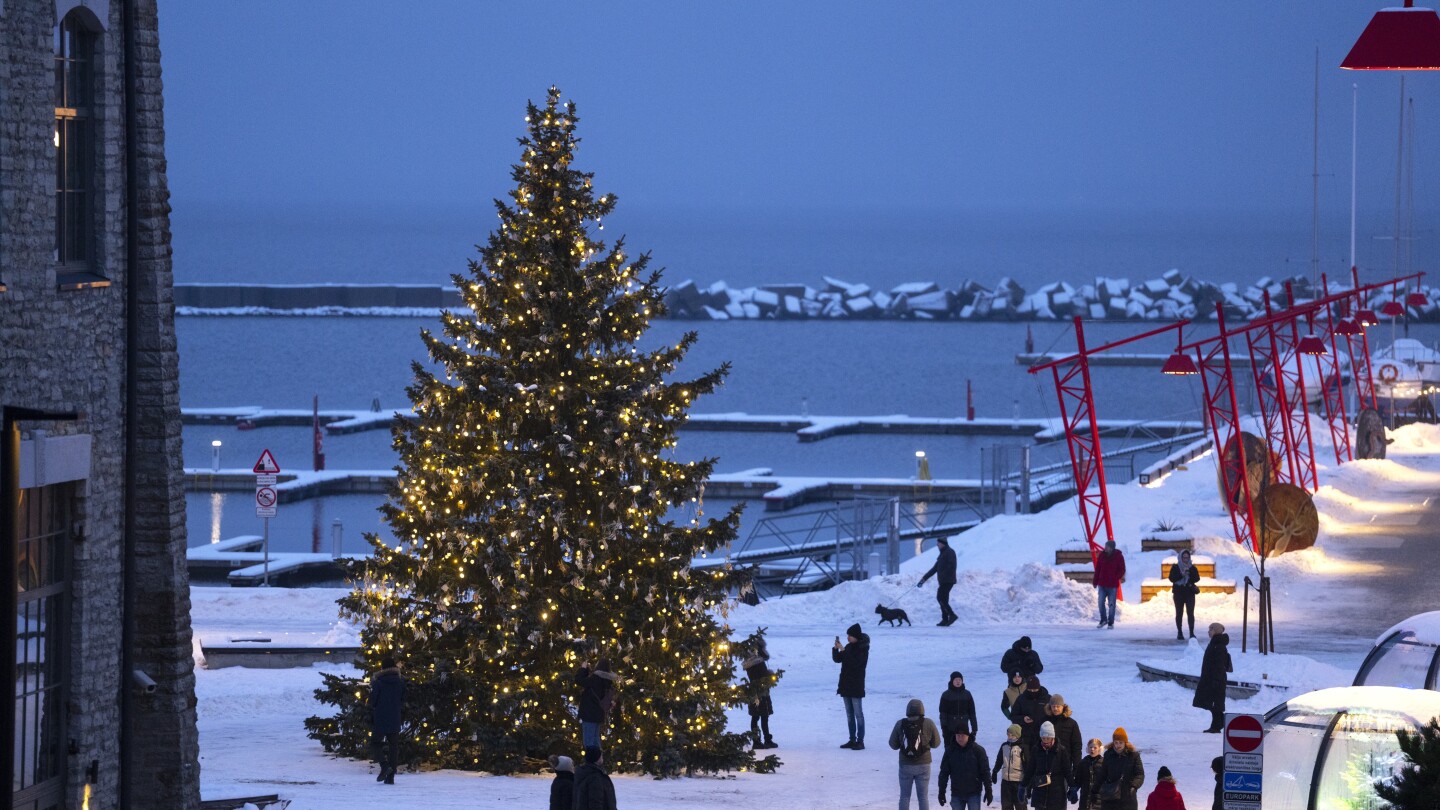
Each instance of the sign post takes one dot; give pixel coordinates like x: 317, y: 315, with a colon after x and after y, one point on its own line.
x: 266, y: 498
x: 1244, y: 739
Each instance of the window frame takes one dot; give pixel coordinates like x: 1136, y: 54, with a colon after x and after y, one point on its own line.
x: 77, y: 152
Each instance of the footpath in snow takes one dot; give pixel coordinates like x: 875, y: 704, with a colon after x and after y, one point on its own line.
x: 253, y: 741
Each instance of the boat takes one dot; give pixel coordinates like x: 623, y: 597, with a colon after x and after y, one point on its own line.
x: 1425, y: 360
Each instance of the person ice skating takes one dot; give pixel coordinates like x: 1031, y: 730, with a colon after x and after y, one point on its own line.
x: 853, y: 658
x: 1109, y: 574
x: 1184, y: 585
x: 1013, y: 691
x: 387, y: 698
x: 1010, y: 763
x: 1047, y: 781
x: 562, y: 789
x: 914, y: 737
x: 1165, y: 796
x: 957, y: 710
x: 1067, y: 731
x: 1021, y: 658
x: 1029, y: 710
x: 1122, y: 774
x: 593, y: 788
x: 597, y: 695
x: 1210, y: 690
x: 965, y: 768
x: 944, y: 572
x: 757, y: 689
x: 1089, y: 774
x: 1217, y: 765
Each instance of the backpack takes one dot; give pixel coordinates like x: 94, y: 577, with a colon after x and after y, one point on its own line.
x: 608, y: 701
x: 912, y: 738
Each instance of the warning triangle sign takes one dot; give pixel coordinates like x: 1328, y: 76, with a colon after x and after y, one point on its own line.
x: 266, y: 465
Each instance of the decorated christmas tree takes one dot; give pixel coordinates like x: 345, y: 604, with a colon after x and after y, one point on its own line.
x: 533, y: 512
x: 1416, y: 785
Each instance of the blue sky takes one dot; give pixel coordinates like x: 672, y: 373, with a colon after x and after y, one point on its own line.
x: 1117, y: 106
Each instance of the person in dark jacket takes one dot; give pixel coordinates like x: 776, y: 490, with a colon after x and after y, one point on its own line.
x: 853, y: 658
x: 1089, y: 774
x: 597, y: 687
x: 1218, y: 766
x: 944, y: 572
x: 1021, y: 658
x: 1029, y: 710
x: 387, y: 698
x: 562, y: 790
x: 1011, y: 762
x: 957, y: 710
x: 1013, y: 691
x: 1184, y: 585
x: 1067, y: 731
x: 593, y: 788
x: 1050, y: 774
x: 965, y: 768
x: 1109, y: 574
x: 1121, y: 774
x: 757, y: 689
x: 1210, y: 689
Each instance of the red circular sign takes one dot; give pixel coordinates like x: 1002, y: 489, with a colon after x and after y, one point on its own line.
x: 1244, y: 733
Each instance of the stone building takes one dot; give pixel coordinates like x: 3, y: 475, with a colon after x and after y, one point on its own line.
x: 91, y: 491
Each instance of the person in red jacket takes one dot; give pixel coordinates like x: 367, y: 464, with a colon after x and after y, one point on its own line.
x: 1165, y: 796
x: 1109, y: 573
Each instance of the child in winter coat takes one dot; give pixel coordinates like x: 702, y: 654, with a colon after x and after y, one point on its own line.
x: 562, y: 790
x: 1090, y: 773
x: 1010, y: 763
x: 757, y: 688
x: 1013, y: 691
x: 1165, y: 796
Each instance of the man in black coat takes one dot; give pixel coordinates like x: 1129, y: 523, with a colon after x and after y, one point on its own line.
x: 1067, y: 731
x: 957, y: 710
x: 853, y: 658
x: 1020, y: 658
x: 966, y: 768
x: 387, y: 696
x: 1210, y: 690
x: 1029, y: 711
x: 944, y: 572
x: 593, y: 788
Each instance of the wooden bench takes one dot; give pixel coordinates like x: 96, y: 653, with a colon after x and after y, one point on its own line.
x: 1151, y: 588
x: 1206, y: 565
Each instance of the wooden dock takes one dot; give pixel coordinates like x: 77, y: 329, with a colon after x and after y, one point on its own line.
x: 241, y: 561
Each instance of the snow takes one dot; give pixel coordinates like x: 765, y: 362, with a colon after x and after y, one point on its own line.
x: 252, y: 739
x: 1425, y: 626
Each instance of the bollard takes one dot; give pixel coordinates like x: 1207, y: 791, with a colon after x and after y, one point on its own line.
x: 336, y: 529
x: 1010, y: 501
x: 872, y: 566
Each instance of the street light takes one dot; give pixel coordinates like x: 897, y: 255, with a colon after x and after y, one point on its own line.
x: 215, y: 456
x: 1398, y: 39
x: 922, y: 466
x: 1310, y: 344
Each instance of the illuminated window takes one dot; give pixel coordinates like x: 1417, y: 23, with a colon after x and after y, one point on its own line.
x: 75, y: 157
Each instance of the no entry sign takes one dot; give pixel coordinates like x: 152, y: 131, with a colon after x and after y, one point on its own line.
x: 1241, y: 782
x: 1244, y: 734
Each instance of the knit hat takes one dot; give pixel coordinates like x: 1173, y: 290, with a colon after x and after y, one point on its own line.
x: 1047, y: 731
x: 1033, y: 683
x: 854, y: 630
x: 561, y: 764
x: 592, y: 756
x: 1056, y: 698
x: 1014, y: 730
x: 1163, y: 773
x: 1024, y: 642
x: 1121, y: 735
x: 1217, y: 764
x: 944, y: 541
x: 956, y: 674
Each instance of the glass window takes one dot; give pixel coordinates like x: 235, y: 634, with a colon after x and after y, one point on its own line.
x: 1400, y: 661
x: 42, y: 595
x: 1362, y: 750
x: 75, y: 146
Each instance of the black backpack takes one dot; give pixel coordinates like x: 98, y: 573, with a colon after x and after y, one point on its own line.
x: 912, y: 734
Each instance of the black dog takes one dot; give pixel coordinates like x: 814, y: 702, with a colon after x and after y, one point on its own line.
x: 892, y: 615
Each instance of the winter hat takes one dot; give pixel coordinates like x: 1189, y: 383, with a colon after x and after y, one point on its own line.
x: 1014, y: 730
x: 1121, y: 735
x: 944, y: 541
x: 1217, y: 764
x: 592, y: 756
x: 388, y: 662
x: 1109, y: 545
x: 914, y: 708
x: 1164, y: 773
x: 1047, y: 731
x: 854, y: 630
x: 955, y: 675
x: 561, y: 764
x: 1024, y: 642
x: 1033, y: 683
x: 1056, y: 698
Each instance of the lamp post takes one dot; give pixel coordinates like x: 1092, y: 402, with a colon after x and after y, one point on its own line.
x: 215, y: 456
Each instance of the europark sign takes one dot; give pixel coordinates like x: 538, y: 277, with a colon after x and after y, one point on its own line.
x: 1244, y: 739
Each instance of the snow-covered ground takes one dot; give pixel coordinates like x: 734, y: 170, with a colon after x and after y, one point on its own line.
x: 1331, y: 602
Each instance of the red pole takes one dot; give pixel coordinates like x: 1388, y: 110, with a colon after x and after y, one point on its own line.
x: 969, y: 401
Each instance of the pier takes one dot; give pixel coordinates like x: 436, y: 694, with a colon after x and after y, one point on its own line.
x: 241, y: 560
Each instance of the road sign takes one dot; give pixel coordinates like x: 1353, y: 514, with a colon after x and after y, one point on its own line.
x: 266, y: 480
x: 266, y: 464
x: 265, y: 499
x: 1244, y: 733
x: 1241, y: 782
x: 1248, y: 763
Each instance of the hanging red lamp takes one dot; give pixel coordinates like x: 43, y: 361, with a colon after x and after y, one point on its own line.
x: 1398, y: 39
x: 1312, y: 345
x: 1347, y: 328
x: 1416, y: 299
x: 1179, y: 363
x: 1393, y: 309
x: 1365, y: 316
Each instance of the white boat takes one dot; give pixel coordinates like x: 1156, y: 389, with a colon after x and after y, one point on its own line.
x: 1407, y: 351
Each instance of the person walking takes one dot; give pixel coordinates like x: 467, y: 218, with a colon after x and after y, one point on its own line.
x: 1029, y: 710
x: 1022, y: 658
x: 597, y: 695
x: 387, y: 699
x: 593, y: 788
x: 1122, y: 773
x: 1067, y: 731
x: 757, y: 687
x: 1109, y: 574
x: 1050, y: 772
x: 944, y: 572
x: 1184, y: 586
x: 562, y: 789
x: 1089, y: 774
x: 957, y: 710
x: 1210, y: 690
x: 965, y: 768
x: 1218, y: 766
x: 914, y: 737
x: 853, y: 658
x: 1013, y: 690
x: 1165, y: 796
x: 1011, y: 762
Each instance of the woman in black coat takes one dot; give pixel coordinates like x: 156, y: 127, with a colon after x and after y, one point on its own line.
x: 597, y: 687
x: 957, y: 710
x: 1122, y: 773
x: 1184, y: 585
x: 1210, y: 689
x: 387, y: 697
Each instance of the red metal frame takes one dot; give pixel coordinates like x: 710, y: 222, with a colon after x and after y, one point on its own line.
x: 1265, y: 356
x: 1291, y: 371
x: 1364, y: 383
x: 1332, y: 386
x: 1223, y: 411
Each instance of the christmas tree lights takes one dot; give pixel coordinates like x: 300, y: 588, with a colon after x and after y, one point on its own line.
x: 532, y: 510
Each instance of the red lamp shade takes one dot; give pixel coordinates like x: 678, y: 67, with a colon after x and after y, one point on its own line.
x: 1398, y: 39
x: 1393, y: 309
x: 1179, y: 364
x: 1365, y: 316
x: 1416, y: 299
x: 1347, y: 328
x: 1311, y: 345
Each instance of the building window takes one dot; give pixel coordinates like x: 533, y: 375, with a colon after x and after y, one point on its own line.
x: 75, y: 157
x: 41, y: 643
